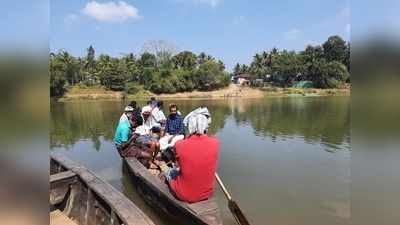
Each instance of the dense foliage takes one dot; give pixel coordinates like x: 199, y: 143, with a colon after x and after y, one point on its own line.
x: 327, y: 66
x: 159, y: 72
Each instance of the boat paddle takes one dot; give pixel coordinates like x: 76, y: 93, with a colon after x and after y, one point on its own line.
x: 232, y: 205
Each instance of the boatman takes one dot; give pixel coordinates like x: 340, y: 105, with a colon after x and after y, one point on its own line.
x: 193, y: 179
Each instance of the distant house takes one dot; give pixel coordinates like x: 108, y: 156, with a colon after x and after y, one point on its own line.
x: 242, y: 79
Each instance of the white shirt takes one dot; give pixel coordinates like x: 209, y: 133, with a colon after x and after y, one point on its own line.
x: 146, y: 127
x: 158, y: 115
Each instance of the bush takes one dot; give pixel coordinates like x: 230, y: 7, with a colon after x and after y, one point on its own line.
x: 331, y: 75
x: 132, y: 88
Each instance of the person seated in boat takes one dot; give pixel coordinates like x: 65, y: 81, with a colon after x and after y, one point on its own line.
x: 145, y: 132
x: 126, y: 114
x: 124, y: 141
x: 136, y: 113
x: 174, y: 129
x: 158, y: 113
x: 196, y: 157
x: 153, y: 102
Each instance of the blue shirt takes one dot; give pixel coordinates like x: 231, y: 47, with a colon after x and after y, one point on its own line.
x: 174, y: 125
x: 122, y: 133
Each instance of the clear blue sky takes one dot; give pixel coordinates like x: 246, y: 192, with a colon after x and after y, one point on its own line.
x: 231, y: 30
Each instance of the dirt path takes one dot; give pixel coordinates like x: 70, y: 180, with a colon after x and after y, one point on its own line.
x: 233, y: 91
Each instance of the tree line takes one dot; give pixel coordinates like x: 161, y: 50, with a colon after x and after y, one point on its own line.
x: 326, y: 65
x: 158, y: 69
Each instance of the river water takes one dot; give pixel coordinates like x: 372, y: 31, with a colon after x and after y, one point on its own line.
x: 285, y: 160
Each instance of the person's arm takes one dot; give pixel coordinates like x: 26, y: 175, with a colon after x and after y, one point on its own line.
x: 167, y: 127
x: 130, y: 140
x: 181, y: 127
x: 127, y: 137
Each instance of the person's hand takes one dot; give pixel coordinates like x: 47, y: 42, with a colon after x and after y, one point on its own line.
x: 162, y: 177
x: 170, y: 139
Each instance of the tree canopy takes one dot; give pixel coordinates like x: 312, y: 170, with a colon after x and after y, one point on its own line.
x: 157, y: 69
x: 326, y: 66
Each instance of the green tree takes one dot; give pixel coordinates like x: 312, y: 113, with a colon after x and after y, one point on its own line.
x: 335, y: 49
x: 286, y: 66
x: 236, y: 69
x: 209, y: 76
x: 185, y: 60
x: 147, y: 60
x: 330, y: 74
x: 57, y: 76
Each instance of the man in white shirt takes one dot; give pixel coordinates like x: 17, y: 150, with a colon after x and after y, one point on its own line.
x: 144, y: 131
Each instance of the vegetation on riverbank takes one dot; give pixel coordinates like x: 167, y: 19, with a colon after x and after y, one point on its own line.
x: 325, y: 66
x: 77, y: 93
x: 159, y: 71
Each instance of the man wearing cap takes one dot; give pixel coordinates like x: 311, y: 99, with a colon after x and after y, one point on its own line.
x: 127, y: 113
x: 144, y: 131
x: 124, y: 139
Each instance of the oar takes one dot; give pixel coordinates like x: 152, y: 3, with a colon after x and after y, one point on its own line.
x: 232, y: 205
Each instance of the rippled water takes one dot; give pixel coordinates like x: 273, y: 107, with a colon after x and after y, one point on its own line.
x: 285, y: 160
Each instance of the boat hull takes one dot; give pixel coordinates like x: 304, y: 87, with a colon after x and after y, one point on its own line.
x: 157, y: 194
x: 77, y: 195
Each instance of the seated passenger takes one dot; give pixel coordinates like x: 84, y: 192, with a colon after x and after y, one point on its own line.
x: 136, y: 113
x: 174, y: 129
x: 158, y: 114
x: 144, y: 131
x: 197, y: 158
x: 125, y: 116
x: 124, y: 139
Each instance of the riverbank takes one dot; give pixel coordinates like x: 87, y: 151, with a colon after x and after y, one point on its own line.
x: 233, y: 91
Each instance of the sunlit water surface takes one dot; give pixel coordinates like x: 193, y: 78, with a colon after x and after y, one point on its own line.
x: 284, y: 160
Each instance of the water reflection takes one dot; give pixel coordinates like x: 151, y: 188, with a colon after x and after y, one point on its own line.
x: 286, y: 160
x: 316, y: 120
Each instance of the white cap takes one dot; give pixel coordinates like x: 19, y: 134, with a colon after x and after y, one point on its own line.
x: 129, y: 109
x: 146, y: 109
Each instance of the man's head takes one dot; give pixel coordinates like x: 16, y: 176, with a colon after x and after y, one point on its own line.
x: 173, y: 109
x: 129, y: 111
x: 133, y: 104
x: 160, y: 104
x: 146, y: 112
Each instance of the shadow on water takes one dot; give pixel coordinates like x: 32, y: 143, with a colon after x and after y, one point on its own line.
x: 296, y: 151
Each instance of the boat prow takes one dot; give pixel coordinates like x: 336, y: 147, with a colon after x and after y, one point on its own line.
x: 78, y: 197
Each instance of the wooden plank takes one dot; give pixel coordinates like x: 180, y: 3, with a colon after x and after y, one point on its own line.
x: 60, y: 176
x: 59, y: 186
x: 58, y: 218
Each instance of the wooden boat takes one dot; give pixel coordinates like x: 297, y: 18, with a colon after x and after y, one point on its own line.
x: 78, y: 197
x: 157, y: 194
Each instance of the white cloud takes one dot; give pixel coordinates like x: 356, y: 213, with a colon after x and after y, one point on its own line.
x: 292, y: 34
x: 111, y: 11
